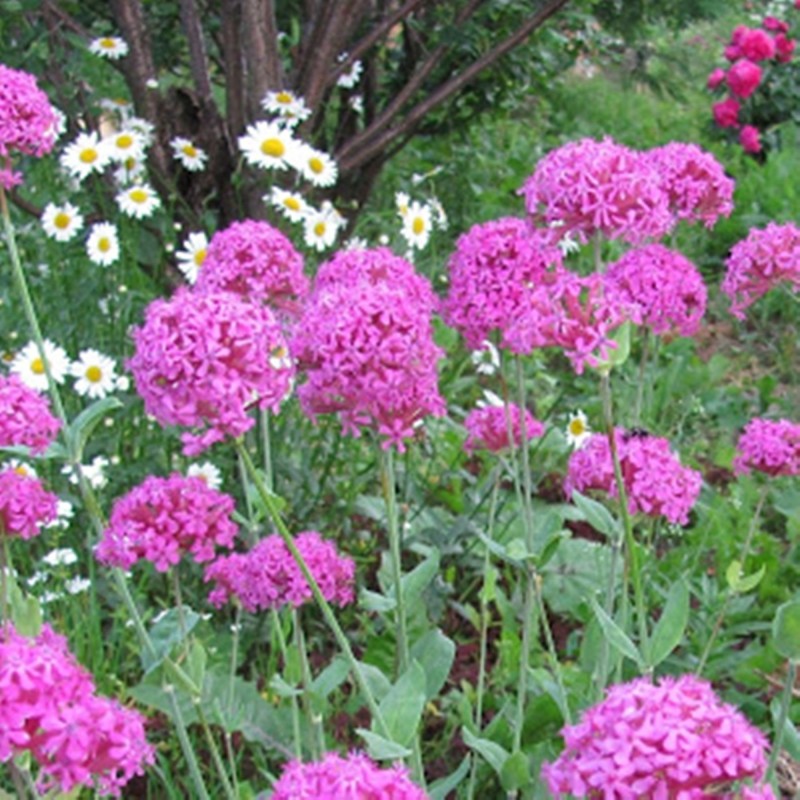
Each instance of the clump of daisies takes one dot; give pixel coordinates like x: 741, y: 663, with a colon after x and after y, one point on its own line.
x: 419, y: 219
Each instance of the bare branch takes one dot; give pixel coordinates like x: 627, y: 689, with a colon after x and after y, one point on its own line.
x: 231, y: 17
x: 260, y: 53
x: 198, y: 59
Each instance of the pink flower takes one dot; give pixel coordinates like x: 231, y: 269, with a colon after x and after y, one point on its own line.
x: 769, y: 446
x: 695, y: 182
x: 488, y: 428
x: 744, y: 77
x: 664, y: 289
x: 491, y: 270
x: 716, y: 77
x: 784, y: 47
x: 365, y: 344
x: 756, y: 44
x: 775, y: 24
x: 25, y: 505
x: 761, y: 261
x: 589, y: 187
x: 354, y: 777
x: 204, y: 360
x: 163, y: 519
x: 726, y: 113
x: 268, y: 577
x: 27, y: 120
x: 750, y: 139
x: 656, y: 483
x: 578, y: 314
x: 25, y: 417
x: 256, y: 261
x: 674, y: 739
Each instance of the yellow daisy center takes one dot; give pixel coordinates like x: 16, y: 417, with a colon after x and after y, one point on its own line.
x: 292, y: 203
x: 189, y: 150
x: 37, y: 366
x: 576, y: 427
x: 138, y: 195
x: 94, y: 373
x: 88, y: 156
x: 104, y: 245
x: 124, y: 141
x: 62, y: 220
x: 284, y: 97
x: 319, y: 229
x: 279, y: 352
x: 315, y: 165
x: 22, y: 470
x: 200, y: 257
x: 418, y: 226
x: 108, y: 44
x: 273, y: 147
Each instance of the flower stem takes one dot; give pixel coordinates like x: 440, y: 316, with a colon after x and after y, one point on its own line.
x: 296, y: 734
x: 186, y: 745
x: 783, y: 715
x: 314, y: 723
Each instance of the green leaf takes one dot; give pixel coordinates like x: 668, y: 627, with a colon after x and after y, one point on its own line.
x: 380, y: 748
x: 617, y: 638
x: 402, y: 707
x: 791, y: 737
x: 82, y: 426
x: 282, y: 688
x: 516, y: 772
x: 441, y: 789
x: 167, y: 633
x: 489, y: 589
x: 671, y: 625
x: 416, y: 581
x: 331, y: 678
x: 196, y: 663
x: 26, y: 613
x: 374, y: 601
x: 435, y: 653
x: 743, y: 583
x: 577, y: 571
x: 786, y: 630
x: 494, y: 754
x: 619, y: 355
x: 597, y: 515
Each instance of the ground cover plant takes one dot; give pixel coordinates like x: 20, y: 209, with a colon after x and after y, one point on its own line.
x: 470, y: 500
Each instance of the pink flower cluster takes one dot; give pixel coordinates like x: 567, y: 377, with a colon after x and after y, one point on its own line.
x: 492, y: 269
x: 769, y: 446
x: 268, y: 576
x: 755, y: 265
x: 25, y: 505
x: 163, y: 519
x: 587, y: 187
x: 695, y: 182
x: 576, y: 313
x: 354, y: 777
x: 365, y: 343
x: 488, y: 428
x: 27, y: 121
x: 673, y: 739
x: 663, y: 289
x: 255, y: 260
x: 205, y: 359
x: 656, y: 483
x: 49, y: 709
x: 25, y: 417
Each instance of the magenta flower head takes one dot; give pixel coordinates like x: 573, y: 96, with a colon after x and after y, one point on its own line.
x: 255, y: 260
x: 365, y: 345
x: 49, y: 709
x: 760, y: 262
x: 756, y: 44
x: 769, y: 446
x: 656, y: 483
x: 25, y: 505
x: 588, y: 187
x: 25, y: 417
x: 695, y: 182
x: 204, y: 360
x: 163, y: 519
x: 750, y: 139
x: 488, y: 428
x: 663, y: 288
x: 743, y: 78
x: 726, y: 112
x: 673, y: 739
x: 27, y: 120
x: 491, y: 270
x: 354, y: 777
x: 576, y: 313
x: 268, y: 576
x: 716, y: 78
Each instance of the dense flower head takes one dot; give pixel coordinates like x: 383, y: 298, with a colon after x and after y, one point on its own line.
x: 696, y: 183
x: 488, y: 427
x: 25, y: 505
x: 267, y: 576
x: 27, y: 120
x: 365, y: 343
x: 769, y: 446
x: 588, y: 186
x: 663, y: 288
x: 204, y: 359
x: 671, y: 739
x: 756, y: 44
x: 255, y: 260
x: 354, y: 777
x: 25, y: 417
x: 766, y: 257
x: 576, y: 313
x: 784, y: 48
x: 656, y: 483
x: 49, y: 708
x: 750, y: 139
x: 743, y: 77
x: 726, y: 112
x: 163, y: 519
x: 493, y: 266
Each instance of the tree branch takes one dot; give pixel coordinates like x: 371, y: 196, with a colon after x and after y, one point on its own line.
x: 198, y: 59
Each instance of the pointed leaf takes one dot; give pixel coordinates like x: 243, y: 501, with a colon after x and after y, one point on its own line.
x: 82, y: 426
x: 494, y: 754
x: 597, y: 515
x: 380, y: 748
x: 402, y: 708
x: 617, y: 638
x: 786, y: 630
x: 671, y: 625
x: 435, y: 654
x: 440, y: 790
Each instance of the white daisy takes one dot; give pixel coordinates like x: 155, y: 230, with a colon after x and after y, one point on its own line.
x: 349, y: 79
x: 61, y: 222
x: 60, y: 557
x: 29, y: 366
x: 490, y: 400
x: 64, y: 513
x: 321, y: 226
x: 192, y: 256
x: 279, y: 358
x: 578, y: 430
x: 356, y: 243
x: 125, y: 144
x: 439, y: 215
x: 417, y: 225
x: 209, y: 472
x: 123, y: 383
x: 191, y: 157
x: 356, y: 102
x: 131, y: 170
x: 77, y: 585
x: 287, y: 105
x: 102, y: 246
x: 290, y: 204
x: 109, y: 47
x: 85, y: 155
x: 20, y: 467
x: 117, y: 105
x: 94, y: 373
x: 487, y: 359
x: 143, y: 127
x: 315, y: 166
x: 268, y: 145
x: 138, y: 201
x: 401, y: 201
x: 94, y: 473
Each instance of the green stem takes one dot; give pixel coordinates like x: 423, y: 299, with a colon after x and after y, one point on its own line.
x: 186, y: 745
x: 314, y: 723
x: 230, y: 792
x: 237, y: 625
x: 284, y: 648
x: 522, y: 681
x: 637, y: 409
x: 5, y: 566
x: 266, y: 443
x: 783, y: 715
